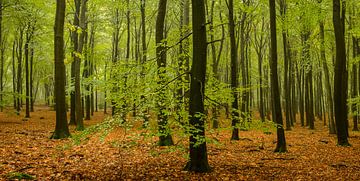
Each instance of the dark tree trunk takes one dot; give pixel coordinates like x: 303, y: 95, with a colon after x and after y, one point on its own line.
x: 32, y: 95
x: 198, y: 153
x: 287, y: 90
x: 78, y: 98
x: 61, y: 128
x: 115, y: 57
x: 86, y: 75
x: 74, y: 39
x: 19, y: 72
x: 340, y: 78
x: 27, y: 85
x: 234, y: 74
x: 14, y: 73
x: 105, y: 91
x: 275, y: 93
x: 165, y: 138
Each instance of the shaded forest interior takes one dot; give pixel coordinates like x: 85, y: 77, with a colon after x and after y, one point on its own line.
x: 179, y: 89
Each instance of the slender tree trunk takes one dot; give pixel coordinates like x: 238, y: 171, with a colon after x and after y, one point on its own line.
x: 198, y: 152
x: 19, y: 71
x: 287, y: 92
x: 78, y: 101
x: 340, y: 78
x: 61, y: 128
x: 327, y: 81
x: 234, y: 74
x: 275, y: 93
x: 354, y: 77
x: 32, y: 96
x: 75, y: 42
x: 165, y: 138
x: 14, y: 74
x: 115, y: 57
x: 27, y: 85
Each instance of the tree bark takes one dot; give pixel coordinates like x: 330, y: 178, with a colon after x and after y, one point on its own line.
x: 340, y: 78
x: 234, y: 74
x: 78, y: 101
x: 165, y: 138
x: 74, y: 39
x: 61, y: 128
x: 275, y: 93
x: 198, y: 153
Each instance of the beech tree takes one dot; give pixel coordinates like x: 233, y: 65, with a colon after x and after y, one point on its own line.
x: 275, y: 93
x: 198, y: 153
x: 340, y: 78
x: 61, y: 128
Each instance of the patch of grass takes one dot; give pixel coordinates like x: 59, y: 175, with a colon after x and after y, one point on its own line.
x: 19, y: 176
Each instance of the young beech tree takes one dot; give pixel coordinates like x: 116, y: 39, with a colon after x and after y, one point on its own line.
x: 165, y: 138
x: 275, y: 93
x: 198, y: 154
x: 234, y: 74
x: 340, y: 77
x: 61, y: 128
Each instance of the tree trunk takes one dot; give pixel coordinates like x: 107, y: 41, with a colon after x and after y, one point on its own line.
x: 340, y: 78
x: 75, y: 42
x: 234, y: 75
x: 198, y: 153
x: 27, y: 85
x: 354, y: 78
x: 61, y: 128
x: 19, y: 71
x: 165, y: 138
x: 14, y: 74
x: 287, y: 92
x: 78, y: 101
x: 275, y: 93
x: 32, y: 96
x: 327, y: 81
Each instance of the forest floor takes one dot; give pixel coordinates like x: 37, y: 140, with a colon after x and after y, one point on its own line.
x: 27, y: 151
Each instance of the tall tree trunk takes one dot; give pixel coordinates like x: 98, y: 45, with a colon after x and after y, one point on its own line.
x: 340, y: 78
x: 287, y: 92
x: 32, y: 96
x: 61, y: 128
x: 275, y: 93
x: 19, y: 71
x: 165, y: 138
x: 234, y: 74
x: 75, y: 42
x: 329, y: 95
x: 354, y: 77
x: 78, y: 101
x: 115, y: 57
x: 198, y: 153
x: 309, y: 103
x: 27, y: 85
x: 14, y: 74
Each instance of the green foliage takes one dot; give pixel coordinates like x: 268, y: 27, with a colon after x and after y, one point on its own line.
x: 19, y: 176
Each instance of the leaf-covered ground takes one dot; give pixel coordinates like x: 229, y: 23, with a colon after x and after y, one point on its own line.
x: 26, y: 150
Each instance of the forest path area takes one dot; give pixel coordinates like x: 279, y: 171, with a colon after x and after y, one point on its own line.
x: 26, y: 150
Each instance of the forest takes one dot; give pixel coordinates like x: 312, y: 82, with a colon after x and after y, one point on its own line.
x: 179, y: 90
